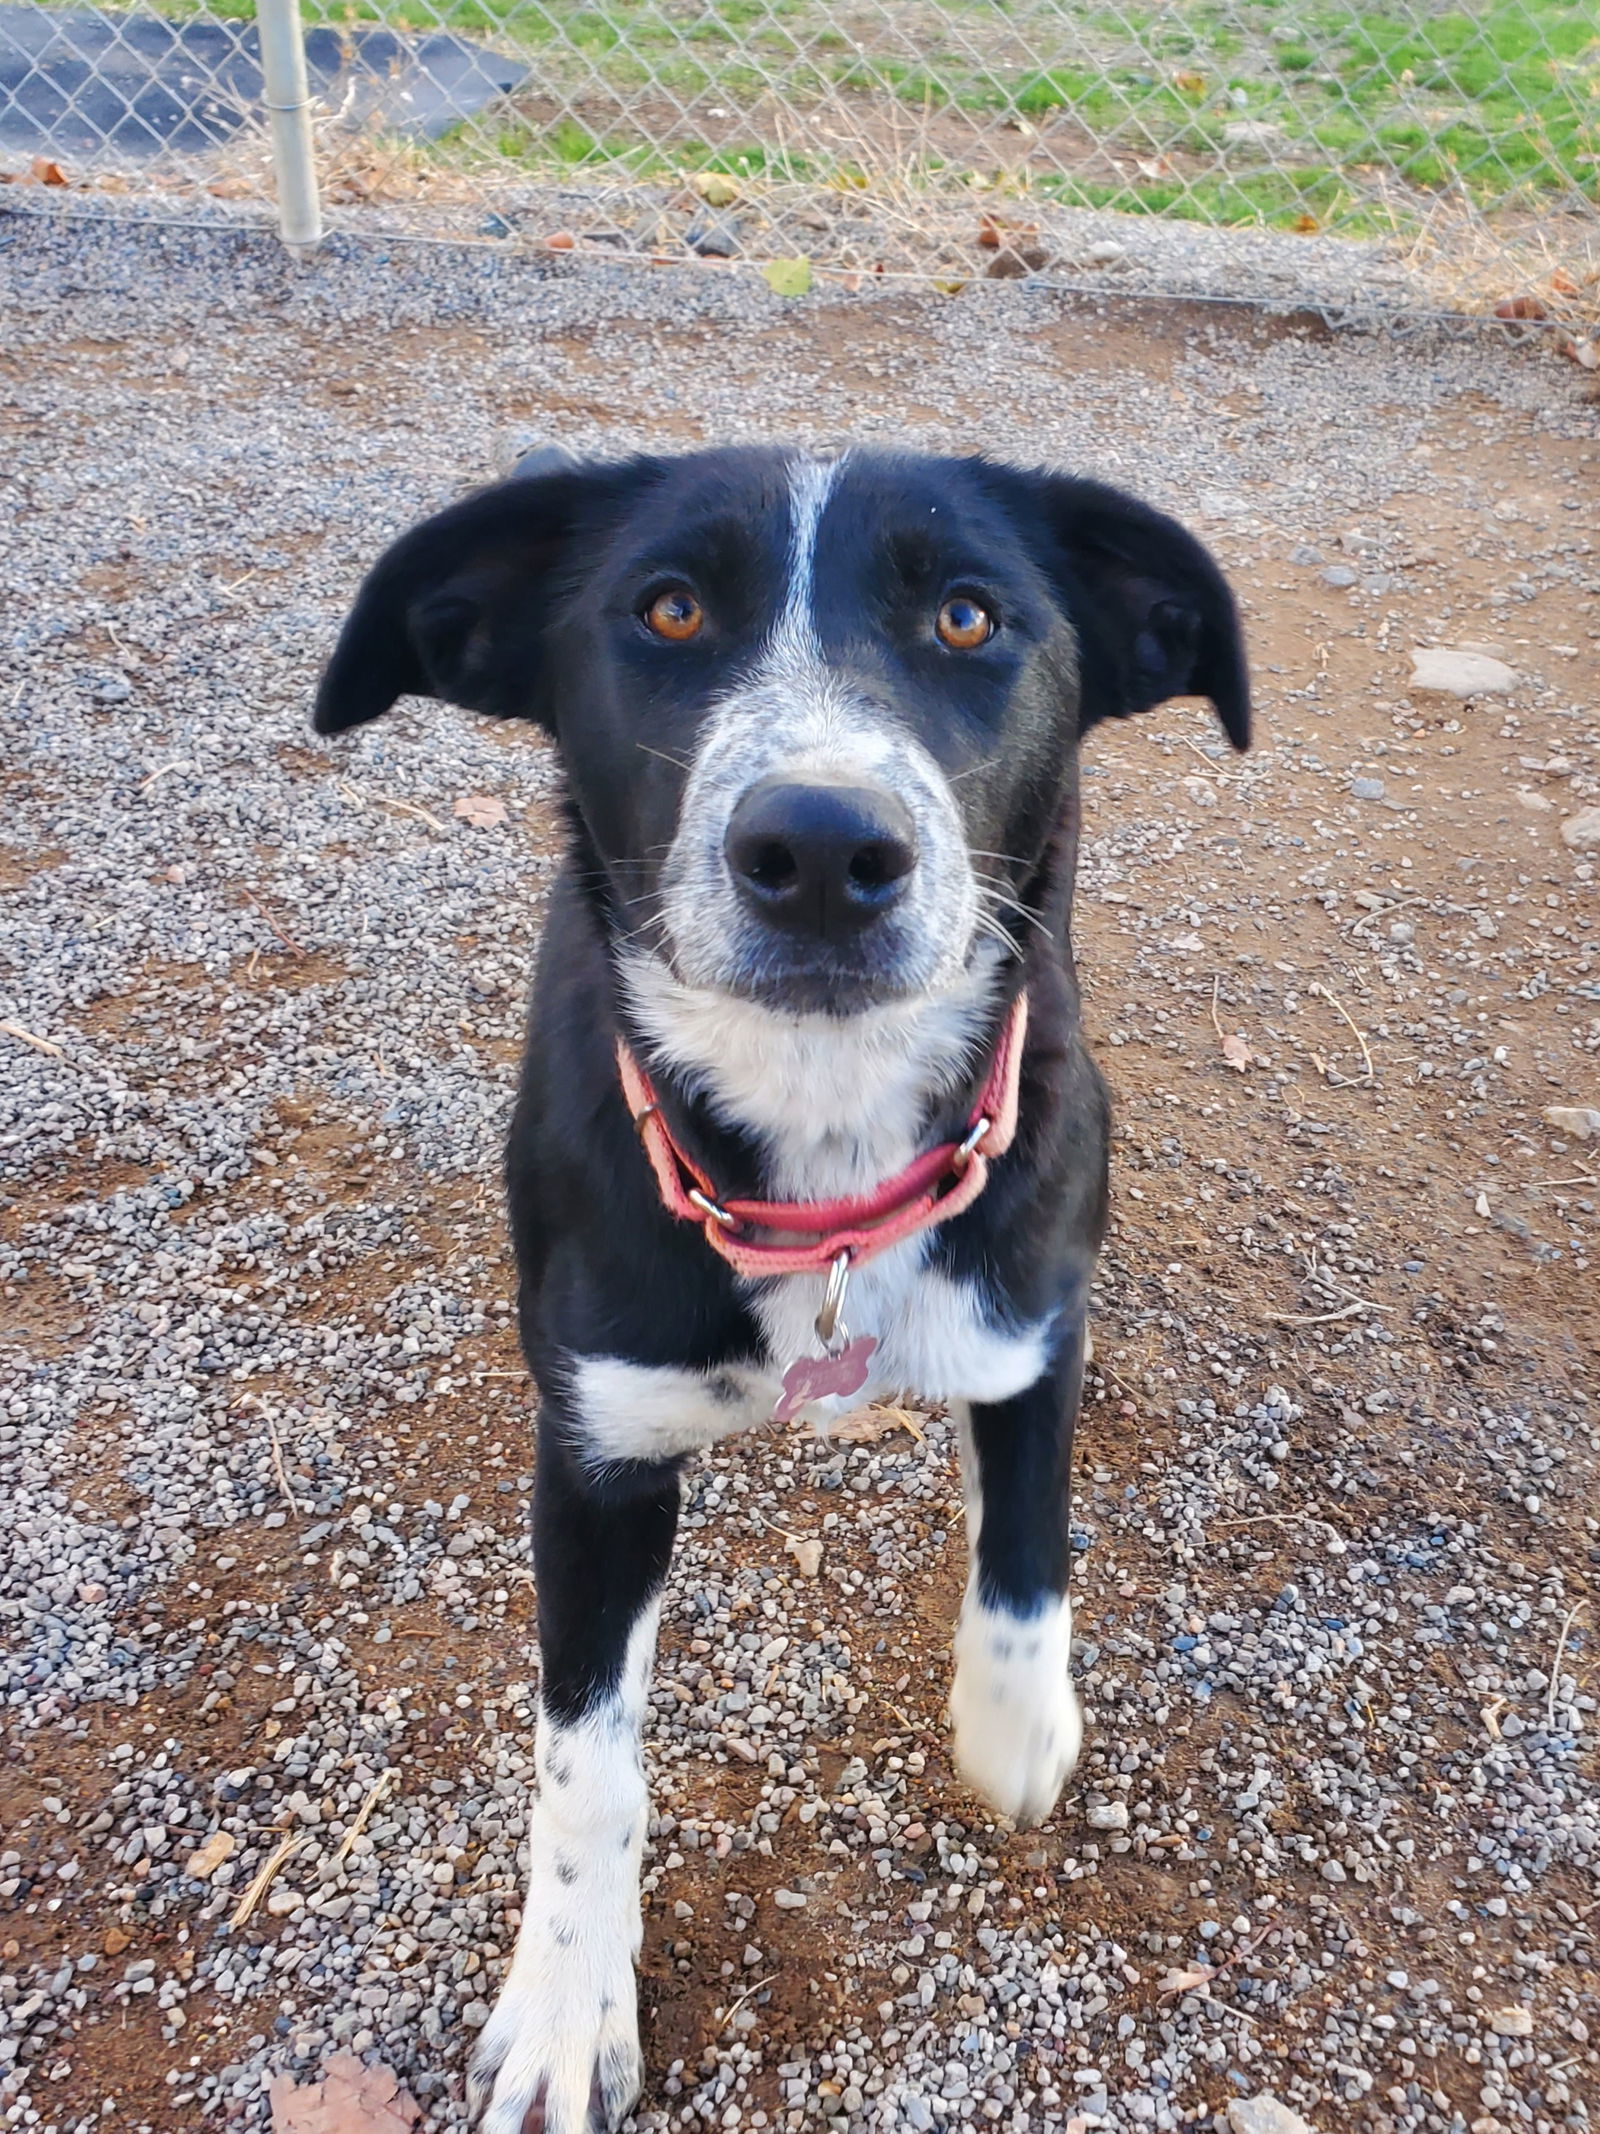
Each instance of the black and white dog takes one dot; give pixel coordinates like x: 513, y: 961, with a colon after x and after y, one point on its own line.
x: 804, y: 1046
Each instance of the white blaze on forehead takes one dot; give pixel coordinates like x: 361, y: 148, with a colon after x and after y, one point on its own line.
x: 811, y: 483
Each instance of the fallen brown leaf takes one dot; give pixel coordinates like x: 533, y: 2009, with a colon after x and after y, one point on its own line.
x: 44, y: 171
x: 1237, y: 1053
x: 482, y: 810
x: 1186, y: 1981
x: 806, y: 1553
x: 203, y: 1863
x: 1519, y: 307
x: 351, y: 2098
x: 870, y: 1424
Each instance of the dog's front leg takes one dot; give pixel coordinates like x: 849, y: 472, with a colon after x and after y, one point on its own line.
x: 560, y: 2053
x: 1013, y: 1707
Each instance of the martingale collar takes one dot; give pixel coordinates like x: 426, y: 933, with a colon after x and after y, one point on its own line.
x: 811, y: 1235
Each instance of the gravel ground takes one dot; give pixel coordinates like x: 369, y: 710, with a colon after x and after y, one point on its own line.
x: 264, y: 1432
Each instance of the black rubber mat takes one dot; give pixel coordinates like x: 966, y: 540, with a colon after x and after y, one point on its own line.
x: 84, y: 84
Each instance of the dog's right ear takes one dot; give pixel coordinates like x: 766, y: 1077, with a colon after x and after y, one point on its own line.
x: 457, y: 608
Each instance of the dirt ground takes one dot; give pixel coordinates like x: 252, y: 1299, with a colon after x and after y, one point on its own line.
x: 1357, y: 1220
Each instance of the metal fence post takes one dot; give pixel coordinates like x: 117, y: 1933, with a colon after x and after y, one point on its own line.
x: 287, y: 96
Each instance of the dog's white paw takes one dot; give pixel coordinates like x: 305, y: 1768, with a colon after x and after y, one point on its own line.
x: 560, y: 2054
x: 1017, y: 1725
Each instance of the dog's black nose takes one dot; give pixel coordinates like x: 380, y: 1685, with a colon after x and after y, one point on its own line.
x: 824, y: 860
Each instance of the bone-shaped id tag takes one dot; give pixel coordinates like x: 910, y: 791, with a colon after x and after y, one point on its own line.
x: 842, y: 1367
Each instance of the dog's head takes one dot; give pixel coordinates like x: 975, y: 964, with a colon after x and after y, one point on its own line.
x: 818, y: 717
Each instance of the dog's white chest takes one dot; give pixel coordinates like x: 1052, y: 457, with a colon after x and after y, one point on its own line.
x: 934, y: 1339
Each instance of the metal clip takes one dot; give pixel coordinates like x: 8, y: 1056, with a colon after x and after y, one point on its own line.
x: 831, y: 1331
x: 709, y: 1207
x: 967, y: 1149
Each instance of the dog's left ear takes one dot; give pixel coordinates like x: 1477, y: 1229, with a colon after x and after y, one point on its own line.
x: 1154, y: 615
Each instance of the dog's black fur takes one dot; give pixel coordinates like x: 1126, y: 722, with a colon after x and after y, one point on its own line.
x: 527, y: 600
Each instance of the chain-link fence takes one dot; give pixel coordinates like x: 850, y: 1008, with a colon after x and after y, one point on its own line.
x: 1444, y: 146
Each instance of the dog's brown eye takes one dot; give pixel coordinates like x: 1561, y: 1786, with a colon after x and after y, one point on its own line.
x: 964, y: 624
x: 675, y: 615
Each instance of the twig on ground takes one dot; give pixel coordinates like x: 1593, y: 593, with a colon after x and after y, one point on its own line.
x: 1227, y: 777
x: 39, y: 1044
x: 165, y: 771
x: 1369, y: 918
x: 288, y: 1845
x: 1343, y: 1013
x: 1345, y: 1311
x: 1573, y: 1613
x: 278, y: 1468
x: 739, y: 2003
x: 380, y: 1787
x: 288, y: 940
x: 413, y: 808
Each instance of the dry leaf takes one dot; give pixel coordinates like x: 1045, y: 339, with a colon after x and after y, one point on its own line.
x: 44, y: 171
x: 1186, y: 1981
x: 714, y: 187
x: 203, y: 1863
x: 560, y: 241
x: 351, y: 2098
x: 1562, y: 284
x: 1191, y: 84
x: 1512, y: 2022
x: 482, y: 810
x: 787, y: 277
x: 1306, y: 224
x: 989, y: 234
x: 807, y: 1554
x: 1520, y: 307
x: 870, y: 1424
x: 1237, y: 1053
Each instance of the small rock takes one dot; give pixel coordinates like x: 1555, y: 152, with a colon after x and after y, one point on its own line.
x: 1340, y: 576
x: 1513, y: 2022
x: 806, y: 1553
x: 1265, y: 2114
x: 495, y: 226
x: 789, y: 1900
x: 1582, y: 832
x: 1307, y: 555
x: 713, y: 236
x: 203, y: 1863
x: 1367, y: 788
x: 1535, y: 803
x: 1333, y: 1871
x: 1105, y: 252
x: 116, y: 1941
x: 1581, y: 1121
x: 1452, y: 671
x: 1012, y: 262
x: 1107, y: 1815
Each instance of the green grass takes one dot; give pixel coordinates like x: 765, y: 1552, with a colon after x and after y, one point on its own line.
x: 1269, y: 110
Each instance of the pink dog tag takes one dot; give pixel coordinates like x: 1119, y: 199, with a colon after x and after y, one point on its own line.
x: 824, y: 1377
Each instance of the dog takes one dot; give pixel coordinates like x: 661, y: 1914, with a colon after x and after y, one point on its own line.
x: 806, y: 1117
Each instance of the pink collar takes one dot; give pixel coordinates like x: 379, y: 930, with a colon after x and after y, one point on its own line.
x: 812, y: 1234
